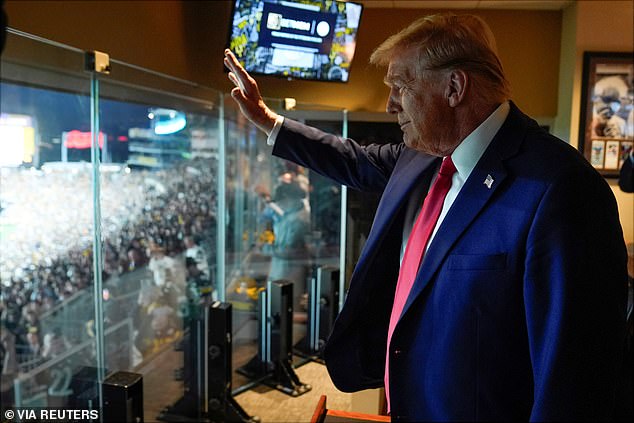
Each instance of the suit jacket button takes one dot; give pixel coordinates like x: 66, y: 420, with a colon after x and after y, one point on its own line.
x: 396, y: 352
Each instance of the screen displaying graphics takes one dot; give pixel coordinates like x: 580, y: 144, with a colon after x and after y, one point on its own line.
x: 307, y: 39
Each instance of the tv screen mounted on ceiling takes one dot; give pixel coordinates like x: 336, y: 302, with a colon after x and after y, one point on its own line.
x: 307, y: 39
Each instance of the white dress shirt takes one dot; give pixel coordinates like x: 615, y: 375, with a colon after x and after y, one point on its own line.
x: 270, y: 140
x: 465, y: 157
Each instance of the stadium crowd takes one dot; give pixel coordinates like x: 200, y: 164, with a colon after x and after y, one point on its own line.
x: 46, y: 248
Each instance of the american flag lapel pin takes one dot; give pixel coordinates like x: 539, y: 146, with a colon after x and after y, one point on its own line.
x: 488, y: 181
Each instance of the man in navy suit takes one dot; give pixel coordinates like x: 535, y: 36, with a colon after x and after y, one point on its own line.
x: 517, y: 311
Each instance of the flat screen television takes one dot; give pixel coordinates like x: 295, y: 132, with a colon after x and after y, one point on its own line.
x: 308, y: 39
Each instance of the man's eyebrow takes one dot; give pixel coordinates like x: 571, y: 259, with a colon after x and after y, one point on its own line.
x: 391, y: 79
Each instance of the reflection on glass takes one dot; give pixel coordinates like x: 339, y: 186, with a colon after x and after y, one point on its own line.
x: 45, y: 245
x: 283, y: 223
x: 158, y: 200
x: 158, y: 208
x: 158, y: 253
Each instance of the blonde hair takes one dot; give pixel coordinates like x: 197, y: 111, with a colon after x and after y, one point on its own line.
x: 448, y: 41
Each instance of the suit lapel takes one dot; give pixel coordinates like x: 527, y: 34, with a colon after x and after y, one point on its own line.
x: 474, y: 193
x: 403, y: 180
x: 473, y: 197
x: 410, y: 169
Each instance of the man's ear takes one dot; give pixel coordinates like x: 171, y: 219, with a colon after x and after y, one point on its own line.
x: 456, y: 90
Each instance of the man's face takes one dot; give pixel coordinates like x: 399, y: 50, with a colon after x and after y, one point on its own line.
x: 417, y: 98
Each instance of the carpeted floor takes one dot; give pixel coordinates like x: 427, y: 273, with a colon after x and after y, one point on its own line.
x: 270, y: 405
x: 273, y: 406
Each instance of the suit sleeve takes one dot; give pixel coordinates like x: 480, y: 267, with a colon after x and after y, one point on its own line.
x: 365, y: 168
x: 575, y: 291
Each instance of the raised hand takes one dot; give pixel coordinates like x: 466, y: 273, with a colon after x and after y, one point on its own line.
x: 247, y: 95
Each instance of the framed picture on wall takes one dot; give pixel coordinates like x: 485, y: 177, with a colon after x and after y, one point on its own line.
x: 606, y: 124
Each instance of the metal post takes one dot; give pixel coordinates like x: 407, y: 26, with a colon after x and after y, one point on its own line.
x: 96, y: 243
x: 64, y: 153
x: 266, y: 337
x: 17, y: 392
x: 221, y: 214
x: 343, y: 226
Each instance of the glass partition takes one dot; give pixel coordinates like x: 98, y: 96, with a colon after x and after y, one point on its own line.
x: 46, y: 222
x: 129, y: 202
x: 283, y: 222
x: 159, y: 231
x: 137, y: 153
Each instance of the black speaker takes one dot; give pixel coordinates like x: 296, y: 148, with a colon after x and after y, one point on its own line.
x: 218, y: 353
x: 326, y: 304
x: 207, y: 371
x: 192, y: 405
x: 272, y: 365
x: 221, y: 406
x: 193, y: 367
x: 281, y: 319
x: 323, y: 307
x: 85, y: 389
x: 123, y: 398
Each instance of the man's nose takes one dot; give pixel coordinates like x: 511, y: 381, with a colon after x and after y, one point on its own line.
x: 393, y: 106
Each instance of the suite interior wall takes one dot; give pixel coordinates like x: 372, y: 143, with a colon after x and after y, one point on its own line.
x: 186, y: 39
x: 600, y: 26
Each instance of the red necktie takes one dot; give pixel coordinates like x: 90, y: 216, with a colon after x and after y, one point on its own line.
x: 418, y: 239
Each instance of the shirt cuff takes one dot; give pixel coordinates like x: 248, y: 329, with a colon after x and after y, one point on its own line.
x: 276, y: 130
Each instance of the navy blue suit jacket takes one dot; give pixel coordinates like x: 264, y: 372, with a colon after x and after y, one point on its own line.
x: 518, y: 310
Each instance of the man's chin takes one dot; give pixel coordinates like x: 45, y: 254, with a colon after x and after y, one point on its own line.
x: 421, y: 148
x: 411, y: 142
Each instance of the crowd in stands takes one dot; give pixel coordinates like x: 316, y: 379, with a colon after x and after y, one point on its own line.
x: 47, y: 234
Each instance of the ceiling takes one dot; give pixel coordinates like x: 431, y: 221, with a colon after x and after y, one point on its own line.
x: 467, y: 4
